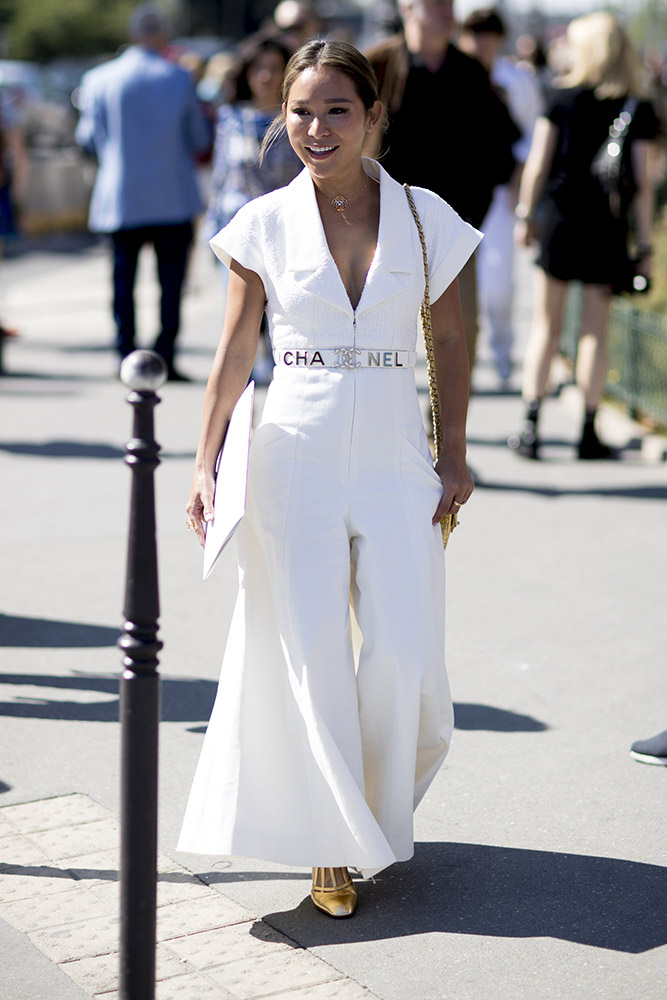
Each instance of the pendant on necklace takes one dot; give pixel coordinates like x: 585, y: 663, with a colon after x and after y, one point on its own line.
x: 339, y: 203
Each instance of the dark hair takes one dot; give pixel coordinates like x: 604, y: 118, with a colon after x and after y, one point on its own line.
x: 340, y: 56
x: 247, y: 52
x: 485, y: 21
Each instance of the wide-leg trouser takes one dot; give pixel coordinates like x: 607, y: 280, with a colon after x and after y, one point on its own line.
x: 495, y: 262
x: 311, y: 758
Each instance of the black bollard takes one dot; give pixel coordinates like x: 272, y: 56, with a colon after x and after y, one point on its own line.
x: 143, y: 372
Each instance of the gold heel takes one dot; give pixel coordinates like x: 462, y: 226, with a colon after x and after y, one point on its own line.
x: 338, y: 899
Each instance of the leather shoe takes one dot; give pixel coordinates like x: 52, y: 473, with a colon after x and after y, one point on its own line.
x: 173, y: 375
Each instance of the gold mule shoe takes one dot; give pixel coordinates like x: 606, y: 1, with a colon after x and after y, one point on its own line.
x: 338, y: 899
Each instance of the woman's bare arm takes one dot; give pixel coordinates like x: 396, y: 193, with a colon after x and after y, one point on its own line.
x: 229, y: 376
x: 534, y: 175
x: 453, y: 379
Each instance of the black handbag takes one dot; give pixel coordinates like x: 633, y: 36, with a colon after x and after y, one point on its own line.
x: 612, y: 168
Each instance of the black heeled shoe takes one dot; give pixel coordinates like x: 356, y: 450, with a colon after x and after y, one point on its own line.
x: 526, y: 443
x: 592, y: 449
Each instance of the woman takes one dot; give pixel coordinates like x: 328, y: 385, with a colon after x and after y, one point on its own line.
x: 238, y: 173
x: 311, y: 759
x: 581, y: 236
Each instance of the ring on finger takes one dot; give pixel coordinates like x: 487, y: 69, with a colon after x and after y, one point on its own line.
x: 459, y: 503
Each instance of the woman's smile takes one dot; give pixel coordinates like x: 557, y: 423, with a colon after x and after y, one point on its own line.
x: 321, y: 151
x: 327, y: 124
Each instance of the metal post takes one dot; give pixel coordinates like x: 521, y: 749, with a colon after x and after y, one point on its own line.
x: 143, y: 372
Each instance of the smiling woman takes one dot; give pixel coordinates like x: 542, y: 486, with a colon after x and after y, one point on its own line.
x: 313, y: 755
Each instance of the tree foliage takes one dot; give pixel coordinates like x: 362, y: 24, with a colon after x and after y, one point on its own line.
x: 648, y: 24
x: 42, y: 30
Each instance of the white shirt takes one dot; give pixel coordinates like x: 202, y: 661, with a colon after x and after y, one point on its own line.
x: 523, y: 99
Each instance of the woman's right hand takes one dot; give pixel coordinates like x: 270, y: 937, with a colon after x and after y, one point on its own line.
x: 199, y: 507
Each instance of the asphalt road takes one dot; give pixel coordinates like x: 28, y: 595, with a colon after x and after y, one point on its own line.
x: 539, y: 868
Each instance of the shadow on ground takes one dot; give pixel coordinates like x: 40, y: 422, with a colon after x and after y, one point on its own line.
x: 628, y: 492
x: 498, y: 892
x: 76, y: 449
x: 495, y: 720
x: 182, y: 700
x: 21, y: 631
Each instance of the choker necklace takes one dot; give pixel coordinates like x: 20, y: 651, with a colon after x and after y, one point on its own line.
x: 340, y: 202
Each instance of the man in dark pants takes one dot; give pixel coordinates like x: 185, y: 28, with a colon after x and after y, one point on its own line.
x: 141, y: 119
x: 448, y: 130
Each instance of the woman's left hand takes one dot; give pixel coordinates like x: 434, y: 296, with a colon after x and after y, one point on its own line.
x: 457, y: 484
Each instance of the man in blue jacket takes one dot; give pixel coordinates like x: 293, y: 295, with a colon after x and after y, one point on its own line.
x: 140, y: 118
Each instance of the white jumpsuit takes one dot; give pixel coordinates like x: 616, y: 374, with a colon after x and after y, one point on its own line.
x: 310, y: 759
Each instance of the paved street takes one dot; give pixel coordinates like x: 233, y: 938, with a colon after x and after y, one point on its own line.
x: 540, y: 868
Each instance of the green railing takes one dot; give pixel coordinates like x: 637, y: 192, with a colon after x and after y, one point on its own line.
x: 637, y: 355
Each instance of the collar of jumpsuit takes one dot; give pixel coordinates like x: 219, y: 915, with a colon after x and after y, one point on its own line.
x: 307, y: 250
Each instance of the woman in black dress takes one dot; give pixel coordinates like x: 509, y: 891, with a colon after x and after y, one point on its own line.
x: 581, y: 235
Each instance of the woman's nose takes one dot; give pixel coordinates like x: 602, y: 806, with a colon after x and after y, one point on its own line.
x: 318, y: 127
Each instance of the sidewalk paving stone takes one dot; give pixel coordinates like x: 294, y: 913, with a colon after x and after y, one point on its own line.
x: 229, y: 944
x: 78, y: 840
x: 51, y: 814
x: 252, y: 978
x: 54, y: 909
x: 21, y: 850
x: 209, y: 947
x: 177, y: 920
x: 100, y: 973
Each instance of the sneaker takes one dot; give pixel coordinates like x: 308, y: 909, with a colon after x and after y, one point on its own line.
x: 652, y: 751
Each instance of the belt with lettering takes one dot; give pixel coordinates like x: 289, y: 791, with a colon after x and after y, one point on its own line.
x: 344, y: 357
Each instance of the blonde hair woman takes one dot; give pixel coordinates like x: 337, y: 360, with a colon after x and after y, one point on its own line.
x: 581, y: 235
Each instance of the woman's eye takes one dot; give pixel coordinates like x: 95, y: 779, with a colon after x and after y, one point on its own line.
x: 300, y: 112
x: 338, y: 111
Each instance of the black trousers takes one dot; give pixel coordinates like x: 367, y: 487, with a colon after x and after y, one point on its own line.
x: 171, y: 242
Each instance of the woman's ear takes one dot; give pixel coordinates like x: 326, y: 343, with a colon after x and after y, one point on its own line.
x: 374, y: 116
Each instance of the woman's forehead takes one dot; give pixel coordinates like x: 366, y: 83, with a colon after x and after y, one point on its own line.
x: 323, y: 82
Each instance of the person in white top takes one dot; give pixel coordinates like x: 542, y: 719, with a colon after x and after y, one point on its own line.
x: 482, y: 36
x: 313, y: 755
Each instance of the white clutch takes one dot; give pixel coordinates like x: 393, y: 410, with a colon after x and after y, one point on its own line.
x: 231, y: 481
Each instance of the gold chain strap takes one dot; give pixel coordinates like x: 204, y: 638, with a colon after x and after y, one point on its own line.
x: 449, y: 521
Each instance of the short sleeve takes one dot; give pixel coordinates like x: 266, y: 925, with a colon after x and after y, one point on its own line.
x: 555, y: 108
x: 450, y: 241
x: 241, y: 240
x: 646, y: 123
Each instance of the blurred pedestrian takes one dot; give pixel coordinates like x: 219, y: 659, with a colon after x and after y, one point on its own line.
x: 13, y: 178
x: 239, y: 173
x: 448, y: 130
x: 482, y: 36
x: 310, y: 758
x: 529, y: 55
x: 582, y: 228
x: 214, y: 87
x: 141, y: 119
x: 296, y: 21
x: 254, y: 100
